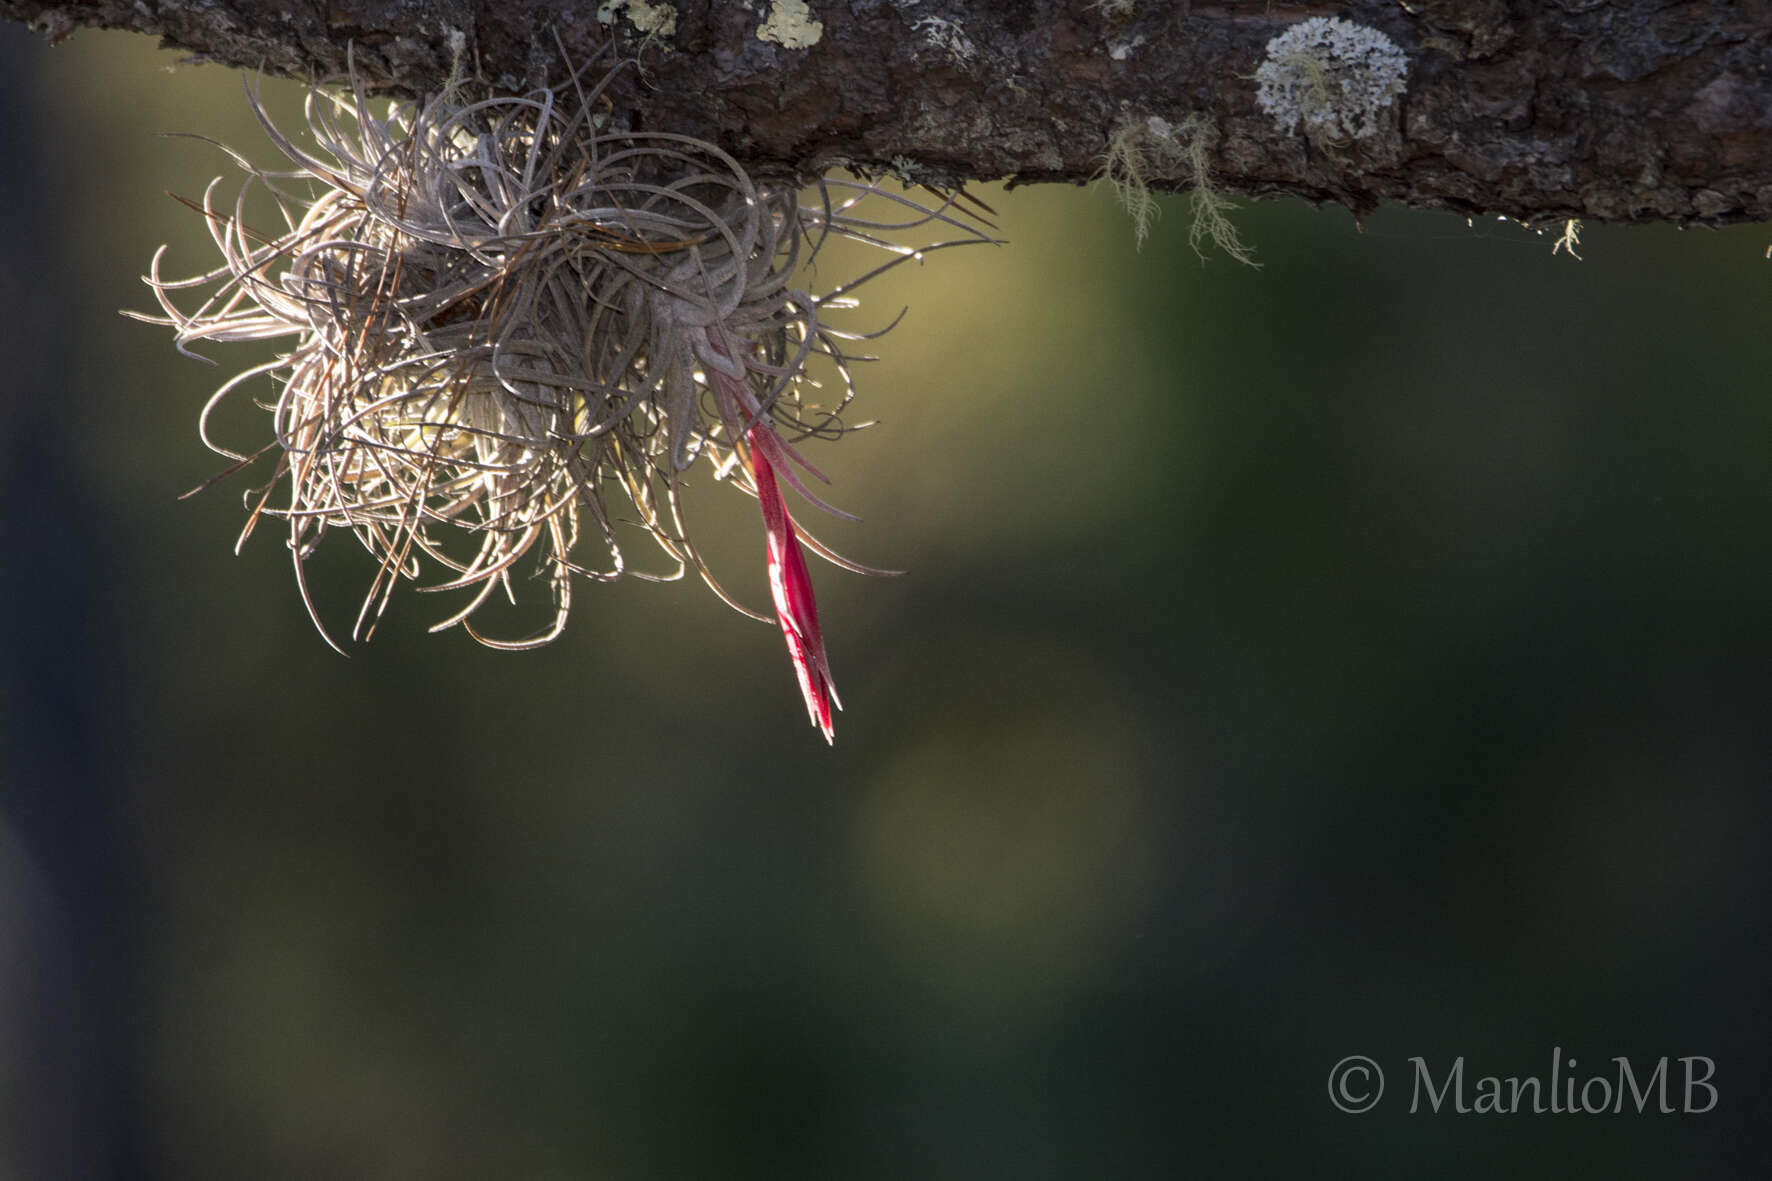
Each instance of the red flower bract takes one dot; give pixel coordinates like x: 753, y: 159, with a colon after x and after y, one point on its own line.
x: 791, y: 586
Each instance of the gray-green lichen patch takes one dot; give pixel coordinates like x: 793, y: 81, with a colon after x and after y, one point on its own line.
x: 1333, y: 76
x: 790, y: 24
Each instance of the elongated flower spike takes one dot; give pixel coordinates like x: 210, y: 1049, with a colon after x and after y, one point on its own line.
x: 790, y: 583
x: 502, y: 311
x: 791, y: 586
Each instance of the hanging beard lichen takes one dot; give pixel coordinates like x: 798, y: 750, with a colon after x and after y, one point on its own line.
x: 508, y: 312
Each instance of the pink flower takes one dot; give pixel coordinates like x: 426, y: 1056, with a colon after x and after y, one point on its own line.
x: 791, y: 586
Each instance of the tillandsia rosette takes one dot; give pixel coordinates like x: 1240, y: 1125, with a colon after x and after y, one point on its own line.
x: 518, y: 325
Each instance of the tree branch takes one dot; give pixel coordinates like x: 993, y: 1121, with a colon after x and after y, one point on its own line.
x: 1631, y: 111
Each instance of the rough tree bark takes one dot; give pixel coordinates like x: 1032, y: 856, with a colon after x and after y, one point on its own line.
x: 1636, y: 110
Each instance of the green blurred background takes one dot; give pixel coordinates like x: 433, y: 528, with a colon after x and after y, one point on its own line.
x: 1362, y: 655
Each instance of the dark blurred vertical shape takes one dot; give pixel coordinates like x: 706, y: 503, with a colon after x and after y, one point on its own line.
x: 69, y: 861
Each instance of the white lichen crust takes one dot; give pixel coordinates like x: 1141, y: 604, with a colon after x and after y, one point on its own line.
x: 790, y: 24
x: 1332, y: 76
x: 658, y: 20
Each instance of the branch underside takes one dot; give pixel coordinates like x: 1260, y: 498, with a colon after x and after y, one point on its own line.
x: 1630, y: 111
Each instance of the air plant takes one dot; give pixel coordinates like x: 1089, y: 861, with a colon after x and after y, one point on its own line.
x: 517, y: 324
